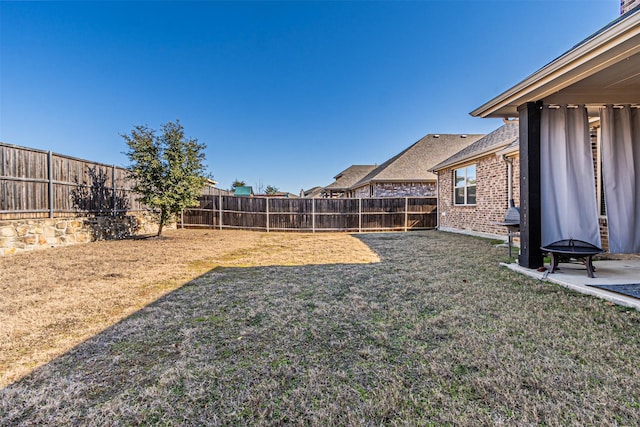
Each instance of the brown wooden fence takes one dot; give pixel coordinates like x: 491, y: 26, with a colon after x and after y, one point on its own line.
x: 41, y: 184
x: 281, y: 214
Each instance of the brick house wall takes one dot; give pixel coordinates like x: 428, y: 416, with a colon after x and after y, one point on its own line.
x: 405, y: 189
x: 361, y: 192
x: 396, y: 189
x: 604, y: 228
x: 627, y: 5
x: 604, y: 233
x: 491, y: 197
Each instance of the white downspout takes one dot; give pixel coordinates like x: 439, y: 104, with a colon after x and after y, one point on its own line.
x: 509, y: 177
x: 438, y: 202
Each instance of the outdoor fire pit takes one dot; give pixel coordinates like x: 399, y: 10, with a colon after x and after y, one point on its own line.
x: 565, y: 250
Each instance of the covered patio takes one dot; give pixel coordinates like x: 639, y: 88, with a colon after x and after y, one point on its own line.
x: 608, y: 272
x: 579, y: 129
x: 563, y: 184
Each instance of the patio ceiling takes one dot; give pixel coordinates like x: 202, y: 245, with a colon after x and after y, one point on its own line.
x: 603, y: 69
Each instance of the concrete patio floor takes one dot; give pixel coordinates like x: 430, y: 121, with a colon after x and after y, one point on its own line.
x: 608, y: 272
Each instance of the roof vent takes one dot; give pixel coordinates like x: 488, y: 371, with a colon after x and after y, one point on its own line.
x: 463, y: 136
x: 436, y: 136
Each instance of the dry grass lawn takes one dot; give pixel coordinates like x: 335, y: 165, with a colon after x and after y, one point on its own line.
x: 434, y: 334
x: 54, y: 299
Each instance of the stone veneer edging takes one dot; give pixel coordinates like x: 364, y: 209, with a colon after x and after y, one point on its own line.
x: 22, y: 235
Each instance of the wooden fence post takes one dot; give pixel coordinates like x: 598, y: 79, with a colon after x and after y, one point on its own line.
x: 313, y: 215
x: 359, y: 214
x: 213, y: 209
x: 266, y: 201
x: 220, y: 209
x: 50, y: 176
x: 115, y: 192
x: 406, y: 213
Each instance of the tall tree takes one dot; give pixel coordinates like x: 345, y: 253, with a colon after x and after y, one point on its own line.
x: 168, y: 169
x: 271, y: 189
x: 235, y: 184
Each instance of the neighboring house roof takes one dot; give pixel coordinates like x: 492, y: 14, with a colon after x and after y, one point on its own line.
x: 215, y: 191
x: 603, y: 68
x: 312, y: 192
x: 280, y: 194
x: 243, y: 191
x: 497, y: 140
x: 414, y: 163
x: 210, y: 188
x: 345, y: 179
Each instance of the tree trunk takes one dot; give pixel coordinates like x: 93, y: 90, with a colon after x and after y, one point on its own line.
x: 163, y: 220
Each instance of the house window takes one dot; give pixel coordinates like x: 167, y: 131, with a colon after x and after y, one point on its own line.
x: 465, y: 186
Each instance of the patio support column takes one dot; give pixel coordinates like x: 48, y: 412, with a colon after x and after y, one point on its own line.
x: 530, y: 209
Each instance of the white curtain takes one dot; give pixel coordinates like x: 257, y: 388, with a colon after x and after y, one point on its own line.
x: 621, y: 174
x: 568, y: 190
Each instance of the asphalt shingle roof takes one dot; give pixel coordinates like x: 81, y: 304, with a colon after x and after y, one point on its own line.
x: 345, y: 179
x: 415, y: 163
x: 312, y: 192
x: 499, y: 138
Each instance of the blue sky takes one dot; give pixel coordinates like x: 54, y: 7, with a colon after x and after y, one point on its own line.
x: 282, y: 93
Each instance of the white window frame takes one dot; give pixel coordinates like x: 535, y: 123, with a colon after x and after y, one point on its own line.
x: 465, y: 184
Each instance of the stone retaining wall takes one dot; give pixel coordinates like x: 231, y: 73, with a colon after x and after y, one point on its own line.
x: 29, y: 234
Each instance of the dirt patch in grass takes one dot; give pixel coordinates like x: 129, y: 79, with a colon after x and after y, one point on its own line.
x: 52, y: 300
x: 435, y: 334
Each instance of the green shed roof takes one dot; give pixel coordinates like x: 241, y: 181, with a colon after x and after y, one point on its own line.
x: 243, y: 191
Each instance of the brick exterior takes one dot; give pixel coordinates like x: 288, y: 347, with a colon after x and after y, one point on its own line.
x: 361, y: 192
x: 396, y: 189
x: 491, y: 196
x: 604, y: 233
x: 627, y: 5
